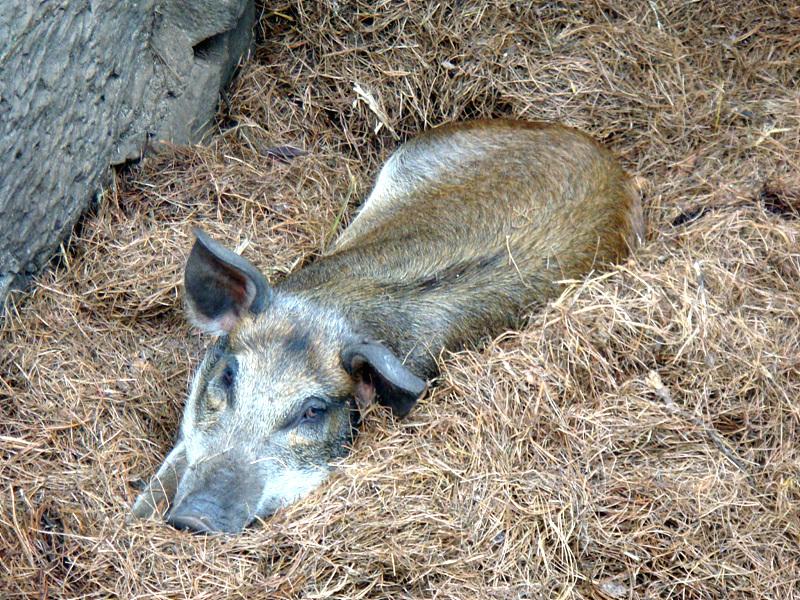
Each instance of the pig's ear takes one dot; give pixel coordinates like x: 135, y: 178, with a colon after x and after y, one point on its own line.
x: 221, y: 286
x: 160, y: 492
x: 381, y: 376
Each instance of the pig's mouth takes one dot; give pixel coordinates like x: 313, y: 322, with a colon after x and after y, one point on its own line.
x: 201, y: 513
x: 194, y: 523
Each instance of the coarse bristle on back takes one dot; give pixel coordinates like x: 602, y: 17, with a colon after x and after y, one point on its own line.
x: 638, y: 438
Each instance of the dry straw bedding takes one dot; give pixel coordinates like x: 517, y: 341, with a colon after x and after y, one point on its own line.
x: 637, y: 439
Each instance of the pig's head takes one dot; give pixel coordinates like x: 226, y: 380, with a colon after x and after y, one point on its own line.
x: 274, y: 402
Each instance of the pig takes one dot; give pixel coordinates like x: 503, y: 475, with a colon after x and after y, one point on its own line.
x: 469, y: 228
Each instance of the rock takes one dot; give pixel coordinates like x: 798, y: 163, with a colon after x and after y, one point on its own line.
x: 85, y: 85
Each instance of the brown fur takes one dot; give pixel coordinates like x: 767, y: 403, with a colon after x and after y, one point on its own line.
x: 465, y: 253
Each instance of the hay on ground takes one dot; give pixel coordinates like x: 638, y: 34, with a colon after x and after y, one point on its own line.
x: 639, y: 439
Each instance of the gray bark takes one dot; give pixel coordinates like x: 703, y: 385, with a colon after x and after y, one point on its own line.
x: 85, y: 84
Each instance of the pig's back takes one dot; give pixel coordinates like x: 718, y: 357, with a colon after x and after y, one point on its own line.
x: 542, y: 188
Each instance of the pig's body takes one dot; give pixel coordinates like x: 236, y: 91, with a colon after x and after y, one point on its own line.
x: 468, y: 227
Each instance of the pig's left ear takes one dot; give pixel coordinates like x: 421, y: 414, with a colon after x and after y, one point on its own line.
x: 381, y: 376
x: 221, y: 286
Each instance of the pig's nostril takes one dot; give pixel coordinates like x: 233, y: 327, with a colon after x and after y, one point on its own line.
x: 210, y: 512
x: 191, y: 522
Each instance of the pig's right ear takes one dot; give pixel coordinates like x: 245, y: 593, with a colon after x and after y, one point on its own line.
x: 380, y: 375
x: 221, y: 286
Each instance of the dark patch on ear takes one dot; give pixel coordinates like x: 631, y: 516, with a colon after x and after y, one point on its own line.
x: 221, y: 285
x: 378, y: 370
x: 211, y: 294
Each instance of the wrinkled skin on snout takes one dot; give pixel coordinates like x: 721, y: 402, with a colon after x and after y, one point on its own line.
x: 273, y: 404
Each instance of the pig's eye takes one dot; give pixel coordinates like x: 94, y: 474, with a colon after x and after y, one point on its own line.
x: 312, y: 413
x: 221, y: 389
x: 314, y: 410
x: 226, y: 378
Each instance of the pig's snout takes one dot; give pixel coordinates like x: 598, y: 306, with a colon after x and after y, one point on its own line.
x: 220, y: 499
x: 202, y: 514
